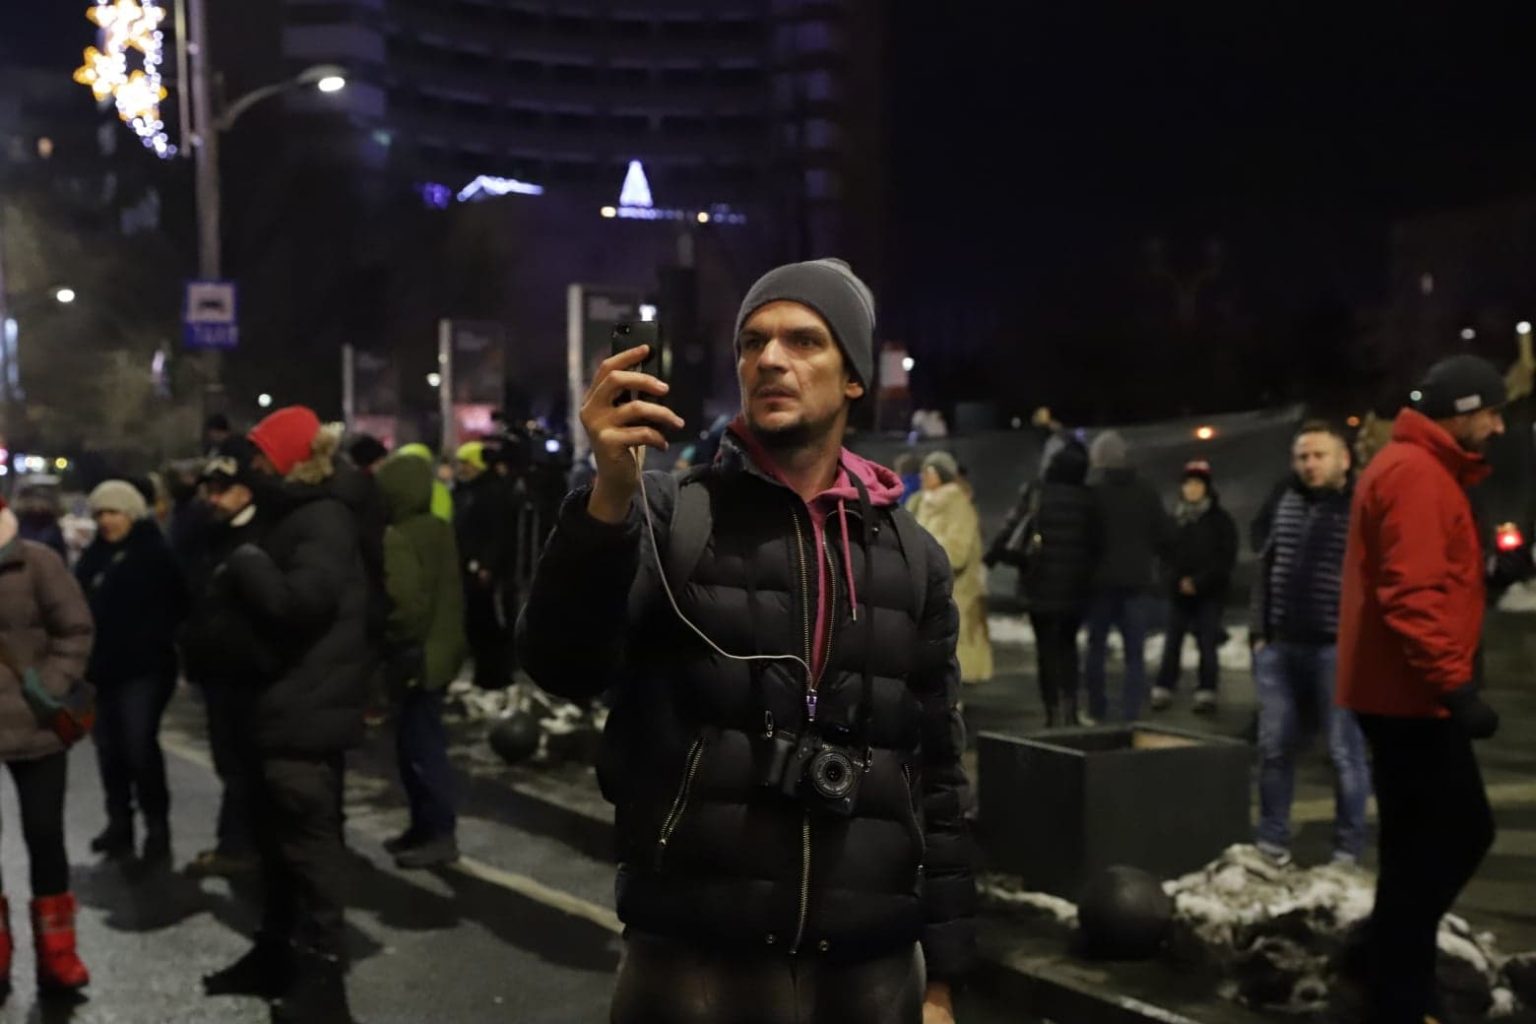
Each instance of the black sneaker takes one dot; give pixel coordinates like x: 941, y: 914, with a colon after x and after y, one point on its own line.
x: 216, y: 864
x: 265, y: 971
x: 434, y: 853
x: 157, y: 845
x: 404, y: 841
x: 317, y: 993
x: 115, y: 842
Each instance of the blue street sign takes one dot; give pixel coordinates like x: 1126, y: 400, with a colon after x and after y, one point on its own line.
x: 209, y: 318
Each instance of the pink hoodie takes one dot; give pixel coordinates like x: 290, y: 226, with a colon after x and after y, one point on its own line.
x: 885, y: 490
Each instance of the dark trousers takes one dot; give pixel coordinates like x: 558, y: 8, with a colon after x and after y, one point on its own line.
x: 1129, y: 610
x: 231, y: 707
x: 1056, y: 657
x: 40, y: 786
x: 1436, y: 827
x: 127, y: 735
x: 1201, y: 616
x: 487, y: 627
x: 664, y: 982
x: 421, y: 748
x: 303, y: 861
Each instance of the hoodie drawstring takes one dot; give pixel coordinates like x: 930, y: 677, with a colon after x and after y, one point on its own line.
x: 853, y: 587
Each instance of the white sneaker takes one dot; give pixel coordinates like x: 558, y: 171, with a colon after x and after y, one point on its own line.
x: 1162, y: 698
x: 1085, y: 720
x: 1280, y: 858
x: 1205, y: 702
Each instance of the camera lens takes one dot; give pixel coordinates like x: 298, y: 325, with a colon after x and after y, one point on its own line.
x: 832, y: 774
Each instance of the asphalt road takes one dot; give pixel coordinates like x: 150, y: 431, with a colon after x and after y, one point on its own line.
x: 521, y: 931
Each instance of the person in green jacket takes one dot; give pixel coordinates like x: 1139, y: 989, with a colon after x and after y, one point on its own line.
x: 442, y: 497
x: 427, y: 648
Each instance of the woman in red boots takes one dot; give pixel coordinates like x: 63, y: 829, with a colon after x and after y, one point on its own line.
x: 45, y: 638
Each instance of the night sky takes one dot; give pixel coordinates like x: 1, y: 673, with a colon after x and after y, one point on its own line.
x: 1293, y: 127
x: 1034, y: 148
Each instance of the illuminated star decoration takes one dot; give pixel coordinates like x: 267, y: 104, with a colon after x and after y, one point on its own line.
x: 129, y: 26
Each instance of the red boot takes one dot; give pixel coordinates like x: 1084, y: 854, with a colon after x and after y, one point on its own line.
x: 53, y: 927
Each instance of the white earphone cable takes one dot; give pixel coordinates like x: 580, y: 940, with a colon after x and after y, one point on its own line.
x: 666, y: 585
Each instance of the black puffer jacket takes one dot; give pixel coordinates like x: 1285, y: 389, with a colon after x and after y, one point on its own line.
x: 1059, y: 578
x: 1205, y: 550
x: 138, y: 599
x: 360, y: 493
x: 485, y: 521
x: 307, y: 579
x: 706, y: 853
x: 226, y: 640
x: 1137, y: 531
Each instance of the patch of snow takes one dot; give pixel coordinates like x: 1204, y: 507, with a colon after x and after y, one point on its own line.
x: 1015, y: 631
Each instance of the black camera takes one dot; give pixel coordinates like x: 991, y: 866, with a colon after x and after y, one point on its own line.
x: 823, y: 774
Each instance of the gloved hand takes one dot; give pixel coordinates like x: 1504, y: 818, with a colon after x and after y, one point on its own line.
x: 1467, y: 709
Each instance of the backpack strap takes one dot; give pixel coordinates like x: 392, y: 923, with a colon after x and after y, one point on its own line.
x: 910, y: 535
x: 692, y: 523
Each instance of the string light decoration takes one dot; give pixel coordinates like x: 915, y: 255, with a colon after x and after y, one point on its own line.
x: 129, y: 28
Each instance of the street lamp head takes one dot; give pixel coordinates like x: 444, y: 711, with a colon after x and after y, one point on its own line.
x: 331, y: 83
x: 65, y: 296
x: 319, y: 74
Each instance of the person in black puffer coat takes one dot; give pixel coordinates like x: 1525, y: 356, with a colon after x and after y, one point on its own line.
x: 138, y: 599
x: 230, y: 654
x: 1204, y: 555
x: 1056, y: 579
x: 306, y: 579
x: 738, y: 879
x: 1137, y: 534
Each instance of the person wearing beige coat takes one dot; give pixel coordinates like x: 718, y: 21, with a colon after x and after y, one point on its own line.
x: 944, y: 509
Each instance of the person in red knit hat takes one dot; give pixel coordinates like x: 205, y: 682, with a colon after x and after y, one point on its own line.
x: 305, y: 582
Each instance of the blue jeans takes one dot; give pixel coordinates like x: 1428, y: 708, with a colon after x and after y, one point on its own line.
x: 421, y: 747
x: 1129, y: 610
x: 128, y: 754
x: 1294, y: 679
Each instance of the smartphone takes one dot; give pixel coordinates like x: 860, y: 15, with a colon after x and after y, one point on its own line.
x: 631, y: 334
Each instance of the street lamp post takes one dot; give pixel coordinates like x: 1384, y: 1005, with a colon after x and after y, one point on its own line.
x: 206, y: 128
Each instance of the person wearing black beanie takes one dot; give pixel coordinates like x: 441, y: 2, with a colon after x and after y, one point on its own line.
x: 1410, y: 628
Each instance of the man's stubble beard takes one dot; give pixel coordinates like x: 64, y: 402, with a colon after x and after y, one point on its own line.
x: 797, y: 436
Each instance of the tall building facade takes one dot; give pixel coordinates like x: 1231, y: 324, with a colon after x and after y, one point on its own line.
x: 765, y: 105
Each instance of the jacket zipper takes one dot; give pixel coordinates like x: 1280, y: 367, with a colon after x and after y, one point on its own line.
x: 810, y: 716
x: 812, y: 680
x: 679, y: 802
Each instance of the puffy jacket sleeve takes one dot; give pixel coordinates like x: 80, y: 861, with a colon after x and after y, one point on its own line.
x: 1223, y: 553
x: 67, y: 619
x: 949, y: 892
x: 1413, y: 581
x: 410, y: 616
x: 571, y: 635
x: 305, y: 592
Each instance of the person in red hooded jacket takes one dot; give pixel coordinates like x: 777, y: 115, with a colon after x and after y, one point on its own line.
x: 1411, y: 619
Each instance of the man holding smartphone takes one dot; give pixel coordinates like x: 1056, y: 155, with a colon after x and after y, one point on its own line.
x: 777, y: 637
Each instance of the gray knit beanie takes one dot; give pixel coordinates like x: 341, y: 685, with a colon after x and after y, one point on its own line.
x: 1107, y: 451
x: 831, y: 288
x: 943, y: 464
x: 119, y: 496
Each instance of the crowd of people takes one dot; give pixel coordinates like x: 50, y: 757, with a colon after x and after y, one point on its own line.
x: 302, y: 591
x: 788, y: 628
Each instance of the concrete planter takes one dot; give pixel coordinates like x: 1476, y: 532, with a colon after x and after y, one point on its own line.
x: 1057, y: 807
